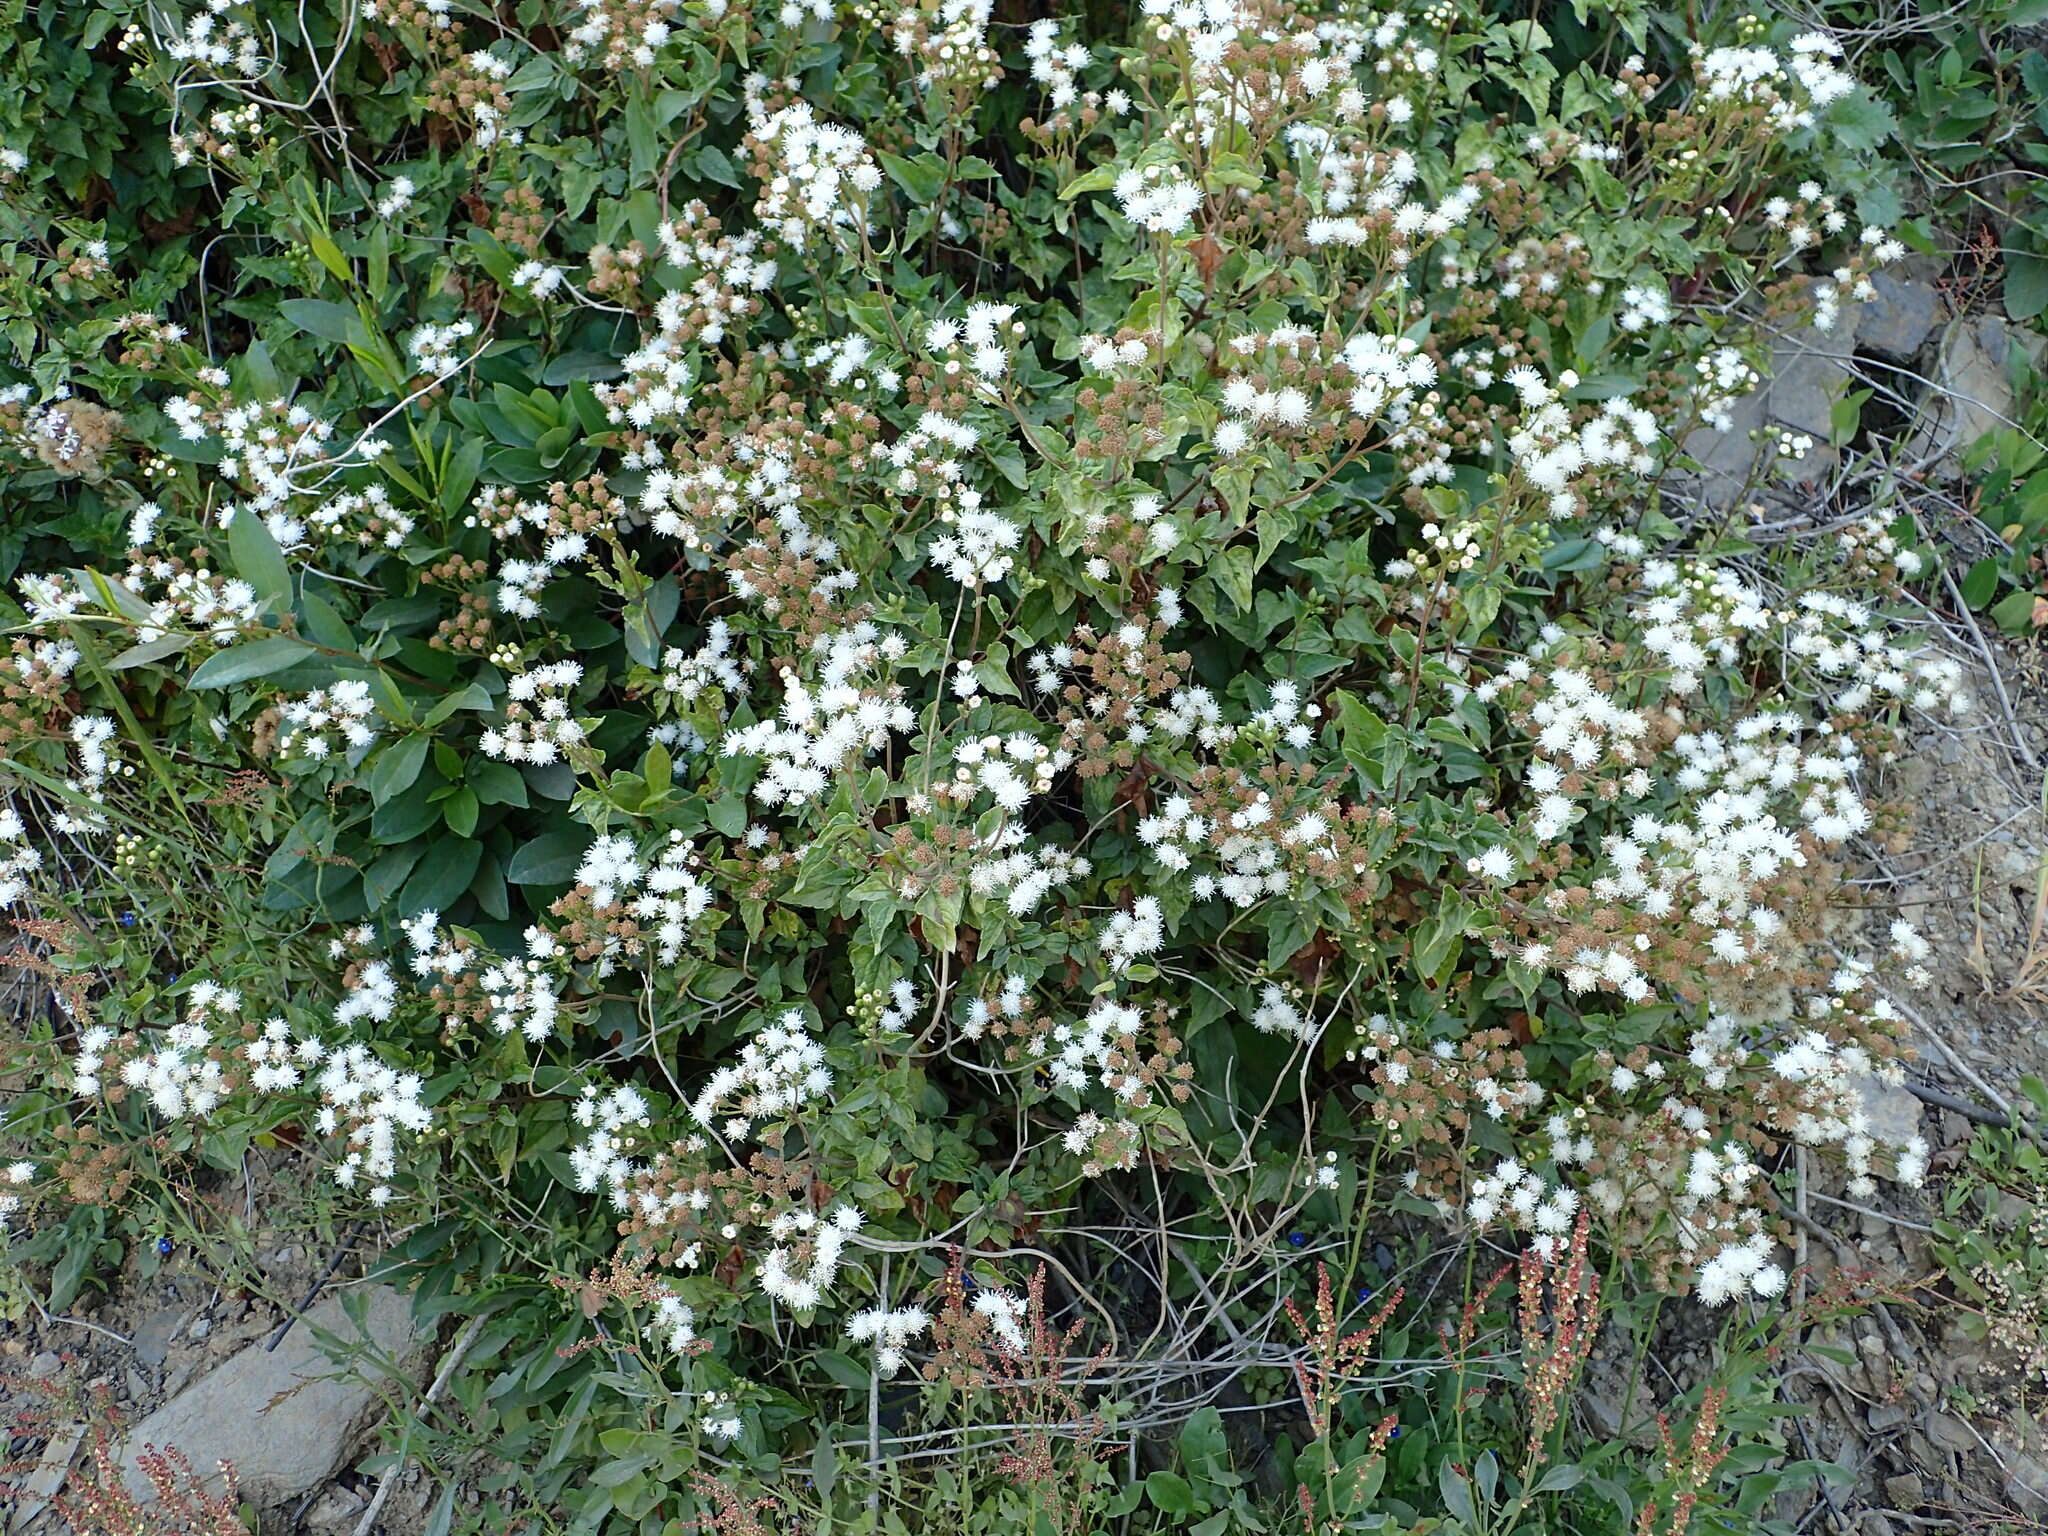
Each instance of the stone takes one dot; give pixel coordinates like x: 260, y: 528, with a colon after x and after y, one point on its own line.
x: 153, y: 1337
x: 1973, y: 390
x: 1905, y: 1491
x: 1897, y: 323
x: 2026, y: 1483
x: 1893, y: 1112
x: 1949, y: 1432
x: 45, y: 1365
x: 1809, y: 372
x: 32, y: 1496
x: 1887, y: 1416
x: 286, y: 1419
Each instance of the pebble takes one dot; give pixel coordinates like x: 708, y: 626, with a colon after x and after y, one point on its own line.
x: 200, y: 1329
x: 1887, y: 1416
x: 45, y: 1365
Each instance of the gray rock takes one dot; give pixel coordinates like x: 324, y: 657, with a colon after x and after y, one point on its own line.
x: 1905, y: 1491
x: 1894, y: 1113
x: 286, y: 1419
x: 2026, y: 1483
x: 1809, y: 372
x: 1973, y: 391
x: 45, y: 1365
x: 1887, y: 1416
x: 1897, y: 323
x: 1949, y: 1432
x: 153, y: 1337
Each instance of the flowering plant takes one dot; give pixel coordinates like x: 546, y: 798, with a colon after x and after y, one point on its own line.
x: 850, y: 657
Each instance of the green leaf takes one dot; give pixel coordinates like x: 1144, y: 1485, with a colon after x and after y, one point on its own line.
x: 1562, y: 1478
x: 259, y: 561
x: 240, y: 663
x: 329, y: 321
x: 148, y: 651
x: 397, y: 767
x: 1170, y: 1494
x: 1456, y: 1493
x: 323, y: 246
x: 459, y: 810
x: 550, y: 859
x: 496, y: 783
x: 921, y: 177
x: 443, y: 875
x: 2026, y: 285
x: 1981, y: 585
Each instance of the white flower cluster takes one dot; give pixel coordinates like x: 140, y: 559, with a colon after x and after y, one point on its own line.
x: 538, y: 727
x: 824, y: 177
x: 366, y: 519
x: 1054, y: 65
x: 183, y: 1075
x: 265, y: 446
x: 195, y: 601
x: 17, y: 1174
x: 91, y: 736
x: 1131, y: 935
x: 890, y: 1330
x: 978, y: 548
x: 1793, y: 88
x: 1277, y: 1015
x: 780, y: 1070
x: 19, y: 857
x: 601, y: 1159
x: 826, y: 1238
x: 372, y: 1103
x: 981, y: 336
x: 664, y: 896
x: 218, y: 41
x: 340, y: 717
x: 715, y: 663
x: 1158, y: 198
x: 435, y: 349
x: 1005, y: 1313
x: 1090, y: 1051
x: 1554, y: 456
x: 1522, y: 1198
x: 825, y: 728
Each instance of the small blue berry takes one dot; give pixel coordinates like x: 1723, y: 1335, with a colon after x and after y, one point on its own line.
x: 127, y: 919
x: 1299, y: 1239
x: 1365, y: 1293
x: 163, y: 1246
x: 1396, y: 1434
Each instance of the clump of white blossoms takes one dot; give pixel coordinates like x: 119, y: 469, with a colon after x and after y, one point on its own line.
x: 826, y: 727
x: 337, y: 718
x: 822, y: 175
x: 890, y: 1330
x: 602, y: 1159
x: 538, y: 727
x: 1158, y: 198
x: 780, y: 1070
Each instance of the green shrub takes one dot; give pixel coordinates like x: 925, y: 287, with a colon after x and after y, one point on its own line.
x: 914, y: 702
